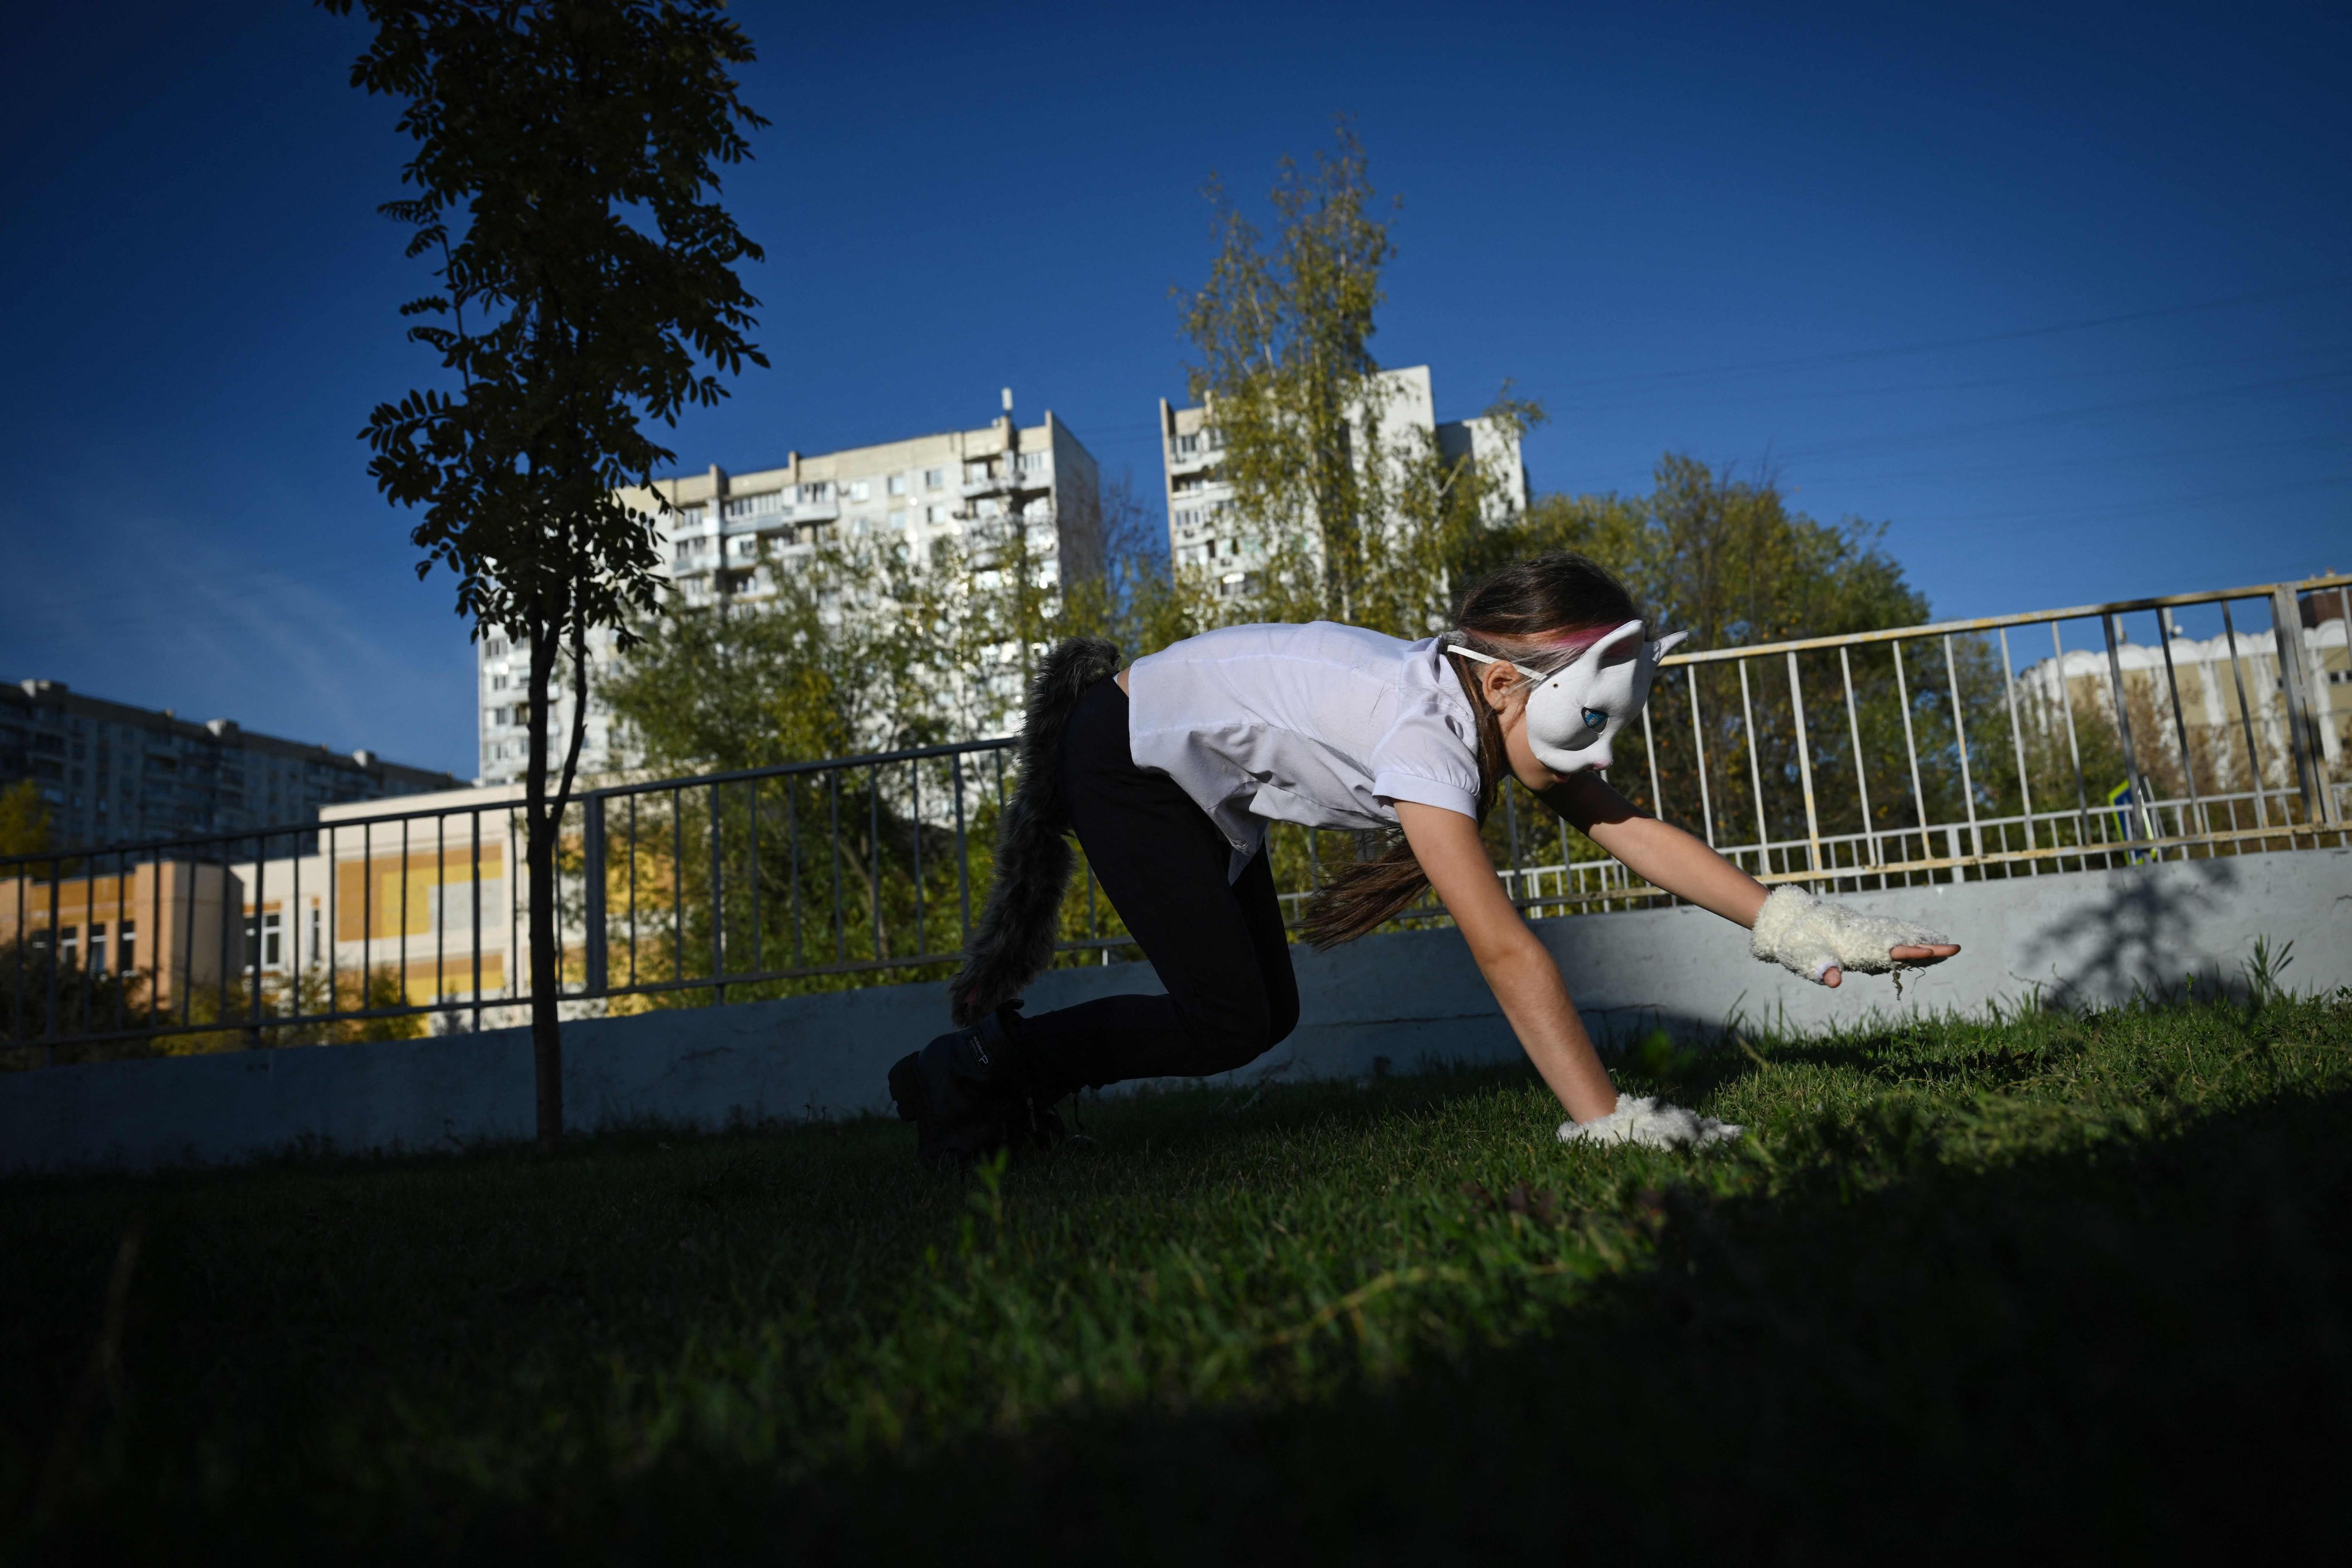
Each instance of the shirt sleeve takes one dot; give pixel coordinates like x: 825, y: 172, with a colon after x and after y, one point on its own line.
x: 1421, y: 760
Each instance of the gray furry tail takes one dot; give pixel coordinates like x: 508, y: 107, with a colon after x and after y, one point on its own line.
x: 1013, y: 940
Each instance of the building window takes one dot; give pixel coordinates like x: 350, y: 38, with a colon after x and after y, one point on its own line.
x: 974, y: 472
x: 68, y: 946
x: 766, y: 504
x: 933, y: 514
x: 497, y: 683
x: 897, y: 485
x: 261, y: 936
x: 822, y: 491
x: 934, y: 477
x: 126, y: 948
x: 314, y: 933
x: 861, y: 490
x: 1187, y: 444
x: 1030, y: 463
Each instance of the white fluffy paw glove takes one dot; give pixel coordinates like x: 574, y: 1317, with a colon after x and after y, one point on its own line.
x: 1808, y: 935
x: 1651, y: 1123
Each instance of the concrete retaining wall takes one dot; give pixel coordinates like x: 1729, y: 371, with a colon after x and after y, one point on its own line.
x: 2078, y: 939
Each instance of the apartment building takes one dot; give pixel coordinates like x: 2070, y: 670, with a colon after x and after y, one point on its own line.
x: 1203, y: 530
x: 2217, y: 693
x: 729, y: 536
x: 113, y: 773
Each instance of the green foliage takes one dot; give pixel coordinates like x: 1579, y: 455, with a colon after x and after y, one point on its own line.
x: 2053, y: 1281
x: 861, y: 646
x: 565, y: 178
x: 213, y: 1016
x: 1350, y: 524
x: 41, y: 996
x: 24, y: 820
x: 1720, y: 556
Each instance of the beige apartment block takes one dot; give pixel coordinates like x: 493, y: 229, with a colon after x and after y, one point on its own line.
x: 1205, y: 533
x: 2215, y: 694
x: 728, y: 536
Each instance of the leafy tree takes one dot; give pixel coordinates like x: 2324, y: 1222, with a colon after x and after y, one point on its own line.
x: 1721, y: 556
x: 1353, y: 521
x: 24, y: 819
x: 1146, y: 605
x: 1725, y: 557
x: 565, y: 179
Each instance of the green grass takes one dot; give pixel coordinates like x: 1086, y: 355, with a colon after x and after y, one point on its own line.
x: 2054, y: 1284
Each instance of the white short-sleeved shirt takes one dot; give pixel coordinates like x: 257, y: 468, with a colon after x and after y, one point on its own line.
x: 1324, y: 725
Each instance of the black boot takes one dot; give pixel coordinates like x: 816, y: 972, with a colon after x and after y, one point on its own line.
x: 970, y: 1092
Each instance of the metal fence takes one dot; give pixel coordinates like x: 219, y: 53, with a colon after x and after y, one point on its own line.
x: 1952, y: 751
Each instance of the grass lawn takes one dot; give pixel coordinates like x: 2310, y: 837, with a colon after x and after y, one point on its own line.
x: 2056, y: 1285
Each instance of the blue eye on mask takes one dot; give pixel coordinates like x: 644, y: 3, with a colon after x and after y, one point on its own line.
x: 1594, y: 718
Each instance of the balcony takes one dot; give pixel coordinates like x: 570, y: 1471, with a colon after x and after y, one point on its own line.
x: 1037, y: 480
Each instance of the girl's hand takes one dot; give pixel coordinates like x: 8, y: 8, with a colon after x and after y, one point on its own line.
x: 1820, y: 939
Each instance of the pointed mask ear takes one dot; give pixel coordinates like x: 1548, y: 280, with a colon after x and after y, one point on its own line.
x: 1599, y: 651
x: 1665, y: 645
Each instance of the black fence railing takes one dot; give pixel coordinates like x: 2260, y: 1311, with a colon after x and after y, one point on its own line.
x: 1881, y: 759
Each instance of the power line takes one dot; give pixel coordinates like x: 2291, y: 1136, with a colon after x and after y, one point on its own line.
x: 1931, y: 345
x: 2096, y: 459
x: 2134, y: 508
x: 2043, y: 378
x: 1972, y: 428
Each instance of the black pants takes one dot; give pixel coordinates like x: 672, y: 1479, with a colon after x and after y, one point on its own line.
x: 1218, y: 947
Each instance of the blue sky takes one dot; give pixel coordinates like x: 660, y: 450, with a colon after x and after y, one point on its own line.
x: 2063, y: 294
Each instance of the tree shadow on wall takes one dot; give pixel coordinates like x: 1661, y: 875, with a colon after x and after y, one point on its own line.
x: 2130, y: 943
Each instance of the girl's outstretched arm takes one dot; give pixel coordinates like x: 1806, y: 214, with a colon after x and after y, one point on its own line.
x: 1524, y: 978
x: 1666, y: 857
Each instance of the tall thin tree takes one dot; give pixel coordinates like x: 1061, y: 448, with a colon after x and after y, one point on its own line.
x: 565, y: 179
x: 1339, y: 512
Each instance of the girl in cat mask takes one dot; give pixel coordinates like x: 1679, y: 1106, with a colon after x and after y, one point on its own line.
x: 1168, y: 773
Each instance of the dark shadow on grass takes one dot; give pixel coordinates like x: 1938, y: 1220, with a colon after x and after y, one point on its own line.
x: 1883, y: 1059
x: 2126, y: 1351
x: 1186, y: 1117
x: 2132, y: 1353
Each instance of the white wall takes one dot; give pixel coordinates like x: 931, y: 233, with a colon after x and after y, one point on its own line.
x: 2079, y: 938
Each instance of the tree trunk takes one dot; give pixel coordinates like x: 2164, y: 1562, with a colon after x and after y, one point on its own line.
x: 539, y: 838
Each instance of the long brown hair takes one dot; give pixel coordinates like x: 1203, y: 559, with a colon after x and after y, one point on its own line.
x: 1539, y: 613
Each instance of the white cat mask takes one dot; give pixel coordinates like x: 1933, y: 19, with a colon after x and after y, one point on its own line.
x: 1574, y: 714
